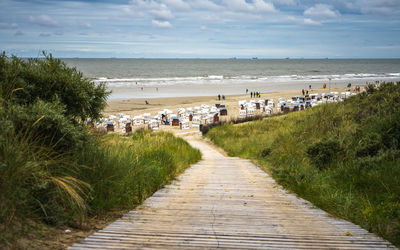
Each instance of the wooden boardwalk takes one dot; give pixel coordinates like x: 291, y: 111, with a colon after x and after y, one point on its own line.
x: 226, y: 202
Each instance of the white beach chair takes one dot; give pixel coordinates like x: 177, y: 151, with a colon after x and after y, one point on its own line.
x: 242, y: 113
x: 138, y: 120
x: 181, y: 111
x: 154, y: 124
x: 185, y: 124
x: 250, y: 112
x: 268, y: 110
x: 209, y: 119
x: 196, y: 121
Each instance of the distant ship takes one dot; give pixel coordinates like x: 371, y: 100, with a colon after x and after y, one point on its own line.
x: 254, y: 58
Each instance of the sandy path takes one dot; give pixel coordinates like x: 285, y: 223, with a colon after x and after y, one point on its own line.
x: 226, y: 202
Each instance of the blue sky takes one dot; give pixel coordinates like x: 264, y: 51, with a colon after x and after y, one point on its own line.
x: 201, y: 28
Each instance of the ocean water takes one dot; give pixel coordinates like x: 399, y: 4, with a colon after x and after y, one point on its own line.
x: 147, y: 78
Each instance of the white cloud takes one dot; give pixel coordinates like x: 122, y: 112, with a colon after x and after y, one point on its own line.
x: 162, y: 14
x: 284, y: 2
x: 262, y: 6
x: 309, y: 21
x: 321, y: 11
x: 243, y: 6
x: 8, y: 26
x: 161, y: 24
x: 380, y: 7
x: 204, y: 5
x: 156, y: 10
x: 43, y: 20
x: 177, y: 4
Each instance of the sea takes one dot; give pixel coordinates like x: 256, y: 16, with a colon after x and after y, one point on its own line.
x: 151, y: 78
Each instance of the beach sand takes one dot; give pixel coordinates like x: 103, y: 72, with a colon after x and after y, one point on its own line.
x: 138, y: 107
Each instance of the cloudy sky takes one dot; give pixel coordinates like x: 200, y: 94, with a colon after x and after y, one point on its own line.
x: 202, y: 28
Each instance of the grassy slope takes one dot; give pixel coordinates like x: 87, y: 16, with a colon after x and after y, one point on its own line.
x: 133, y: 168
x: 113, y: 174
x: 343, y: 157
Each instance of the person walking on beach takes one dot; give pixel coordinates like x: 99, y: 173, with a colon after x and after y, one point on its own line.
x: 302, y: 91
x: 251, y: 94
x: 247, y: 91
x: 219, y: 97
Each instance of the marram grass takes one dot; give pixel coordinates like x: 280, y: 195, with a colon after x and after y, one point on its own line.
x: 112, y: 172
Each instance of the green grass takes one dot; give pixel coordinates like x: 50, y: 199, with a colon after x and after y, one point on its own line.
x: 126, y: 170
x: 344, y: 157
x: 110, y: 173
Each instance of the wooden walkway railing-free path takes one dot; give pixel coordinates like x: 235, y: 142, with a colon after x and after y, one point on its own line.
x: 226, y: 202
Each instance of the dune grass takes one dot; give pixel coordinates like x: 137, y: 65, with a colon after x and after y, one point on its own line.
x: 344, y: 157
x: 124, y: 171
x: 109, y: 173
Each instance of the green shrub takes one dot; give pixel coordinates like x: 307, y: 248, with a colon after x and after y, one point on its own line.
x: 265, y: 152
x: 49, y: 79
x: 369, y: 145
x: 323, y: 153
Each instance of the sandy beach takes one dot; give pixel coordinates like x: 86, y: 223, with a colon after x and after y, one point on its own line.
x: 137, y: 106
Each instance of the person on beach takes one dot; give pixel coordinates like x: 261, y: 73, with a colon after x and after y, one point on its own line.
x: 223, y: 97
x: 247, y: 91
x: 302, y: 91
x: 219, y: 97
x: 309, y: 86
x: 163, y: 119
x: 146, y: 102
x: 251, y: 94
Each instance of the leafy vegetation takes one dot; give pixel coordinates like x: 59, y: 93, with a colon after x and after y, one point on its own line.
x: 342, y: 157
x: 52, y: 170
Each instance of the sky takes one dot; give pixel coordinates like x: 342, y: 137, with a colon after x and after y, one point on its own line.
x: 201, y: 28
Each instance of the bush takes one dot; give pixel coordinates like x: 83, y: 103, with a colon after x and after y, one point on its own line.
x: 323, y: 153
x: 369, y: 145
x: 265, y: 152
x: 46, y: 122
x: 36, y: 181
x: 49, y: 79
